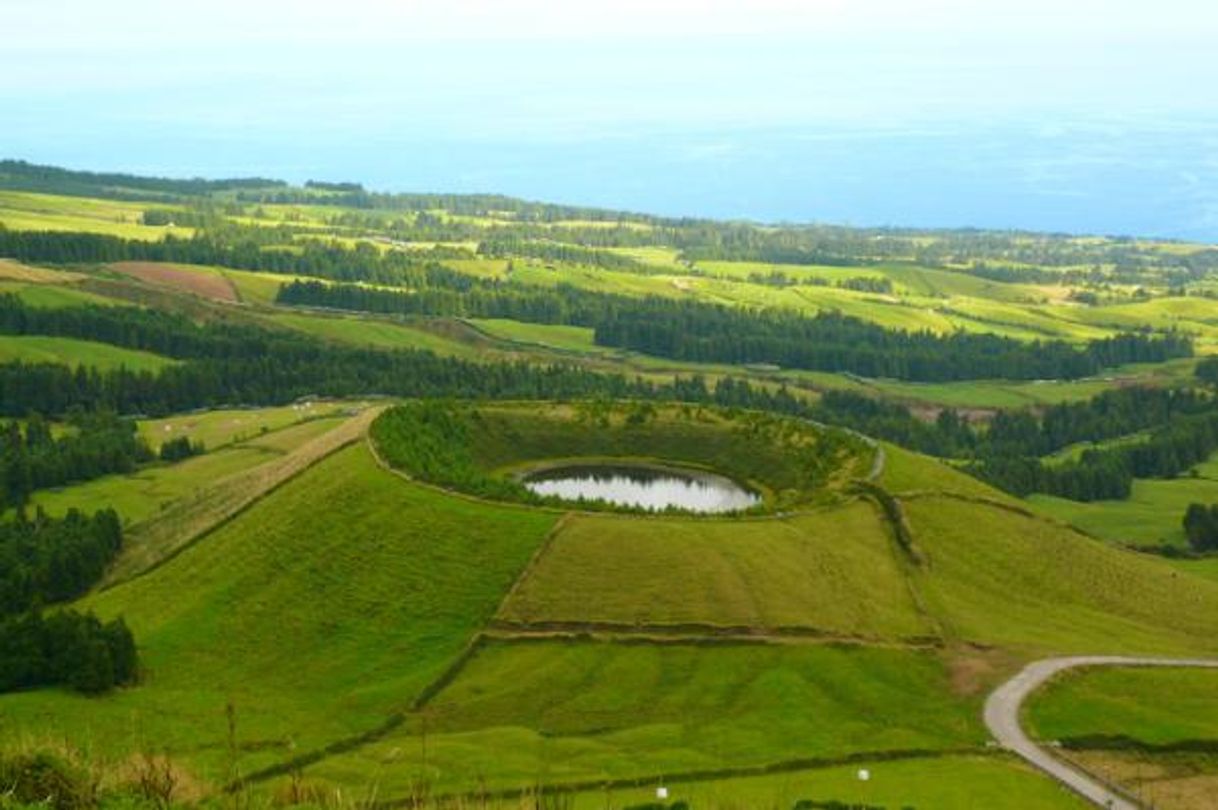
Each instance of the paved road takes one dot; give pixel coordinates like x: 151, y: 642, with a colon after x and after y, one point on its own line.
x: 1002, y: 717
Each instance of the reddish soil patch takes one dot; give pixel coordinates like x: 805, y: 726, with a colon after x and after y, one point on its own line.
x: 199, y: 281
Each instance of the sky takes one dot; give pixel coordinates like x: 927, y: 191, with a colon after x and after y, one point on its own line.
x: 764, y: 109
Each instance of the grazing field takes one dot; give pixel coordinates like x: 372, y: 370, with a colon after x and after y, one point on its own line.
x: 942, y: 783
x: 26, y: 211
x: 54, y: 296
x: 216, y: 428
x: 804, y: 572
x: 997, y: 577
x: 565, y: 338
x: 905, y: 471
x: 316, y: 614
x: 561, y: 712
x: 1152, y: 706
x: 150, y: 490
x: 1152, y: 514
x: 205, y: 282
x: 73, y: 352
x: 371, y: 332
x: 15, y: 271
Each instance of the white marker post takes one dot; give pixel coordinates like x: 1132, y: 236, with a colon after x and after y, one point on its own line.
x: 864, y: 777
x: 661, y: 793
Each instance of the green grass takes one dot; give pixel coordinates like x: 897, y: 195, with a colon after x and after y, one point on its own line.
x: 1207, y: 567
x: 216, y: 428
x: 906, y: 471
x: 1151, y: 515
x: 565, y: 338
x: 564, y: 711
x: 144, y: 493
x: 1000, y: 578
x: 73, y: 352
x: 943, y: 783
x: 1155, y: 706
x: 24, y: 211
x: 316, y: 613
x: 807, y: 571
x: 257, y: 288
x: 54, y: 296
x: 372, y: 332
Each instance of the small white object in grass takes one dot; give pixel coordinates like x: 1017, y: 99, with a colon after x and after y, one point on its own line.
x: 661, y: 793
x: 864, y: 775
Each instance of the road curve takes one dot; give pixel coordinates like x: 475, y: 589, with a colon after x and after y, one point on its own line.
x: 1002, y: 718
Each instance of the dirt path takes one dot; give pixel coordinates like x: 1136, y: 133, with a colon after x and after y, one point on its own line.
x: 1003, y: 706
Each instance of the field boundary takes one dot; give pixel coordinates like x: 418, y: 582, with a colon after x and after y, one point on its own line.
x: 167, y: 535
x: 690, y: 633
x: 684, y: 777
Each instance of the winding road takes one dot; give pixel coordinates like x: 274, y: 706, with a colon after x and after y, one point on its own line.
x: 1002, y: 718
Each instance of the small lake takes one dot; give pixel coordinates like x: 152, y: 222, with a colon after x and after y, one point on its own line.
x: 646, y: 487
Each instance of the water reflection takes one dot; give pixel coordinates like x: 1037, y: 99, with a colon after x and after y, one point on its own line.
x: 645, y: 487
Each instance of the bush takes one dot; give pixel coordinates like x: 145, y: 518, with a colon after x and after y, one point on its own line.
x: 47, y: 779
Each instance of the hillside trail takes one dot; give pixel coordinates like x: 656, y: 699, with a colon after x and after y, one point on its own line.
x: 1003, y: 706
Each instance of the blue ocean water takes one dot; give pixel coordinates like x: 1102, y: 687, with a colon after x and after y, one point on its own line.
x: 1145, y: 178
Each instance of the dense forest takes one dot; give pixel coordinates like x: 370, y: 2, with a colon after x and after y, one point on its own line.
x: 45, y: 561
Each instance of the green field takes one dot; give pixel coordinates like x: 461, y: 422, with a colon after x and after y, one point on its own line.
x: 26, y: 211
x: 144, y: 493
x: 216, y: 428
x: 943, y: 783
x: 1154, y: 706
x: 997, y: 577
x: 316, y: 614
x: 564, y: 712
x: 1151, y: 516
x: 374, y: 333
x: 799, y: 572
x: 73, y: 352
x: 566, y: 338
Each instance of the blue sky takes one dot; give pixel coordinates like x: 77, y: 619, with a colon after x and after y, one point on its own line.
x: 465, y: 93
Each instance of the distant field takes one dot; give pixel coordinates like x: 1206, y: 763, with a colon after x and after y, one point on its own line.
x: 26, y: 211
x: 565, y: 338
x: 73, y: 352
x: 369, y: 331
x: 205, y: 282
x: 798, y: 572
x: 1151, y: 516
x: 562, y: 711
x: 215, y: 428
x: 53, y: 296
x: 15, y: 271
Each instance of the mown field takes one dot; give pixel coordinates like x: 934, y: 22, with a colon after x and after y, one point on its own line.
x: 801, y: 572
x: 72, y: 352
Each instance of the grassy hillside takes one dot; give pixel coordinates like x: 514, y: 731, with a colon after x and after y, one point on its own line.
x: 567, y: 712
x: 72, y: 352
x: 830, y: 571
x: 997, y: 577
x: 317, y: 613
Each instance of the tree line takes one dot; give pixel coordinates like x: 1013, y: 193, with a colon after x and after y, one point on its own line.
x: 1201, y: 527
x: 94, y: 444
x: 711, y: 333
